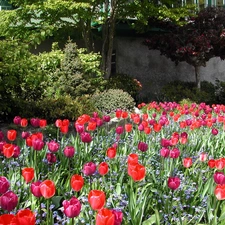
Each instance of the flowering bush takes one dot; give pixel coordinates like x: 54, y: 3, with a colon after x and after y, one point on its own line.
x: 167, y: 168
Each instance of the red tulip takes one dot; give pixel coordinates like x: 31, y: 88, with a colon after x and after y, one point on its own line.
x: 77, y: 182
x: 157, y: 127
x: 220, y: 164
x: 47, y: 189
x: 28, y: 174
x: 24, y: 217
x: 103, y: 168
x: 118, y: 113
x: 64, y: 129
x: 96, y: 199
x: 105, y: 217
x: 11, y: 135
x: 173, y: 183
x: 65, y: 122
x: 89, y: 168
x: 23, y: 122
x: 72, y: 207
x: 8, y: 201
x: 187, y: 162
x: 147, y: 130
x: 220, y: 192
x: 35, y: 189
x: 6, y: 219
x: 53, y: 146
x: 111, y: 152
x: 137, y: 172
x: 211, y: 163
x: 69, y: 151
x: 128, y: 127
x: 42, y: 123
x: 124, y: 114
x: 91, y: 126
x: 4, y: 185
x: 8, y: 150
x: 132, y: 159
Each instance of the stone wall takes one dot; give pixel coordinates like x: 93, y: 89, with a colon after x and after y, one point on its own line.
x: 154, y: 71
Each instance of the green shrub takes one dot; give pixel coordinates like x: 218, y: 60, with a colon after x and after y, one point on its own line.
x: 63, y: 107
x: 79, y: 73
x: 125, y: 83
x: 178, y: 90
x: 110, y: 100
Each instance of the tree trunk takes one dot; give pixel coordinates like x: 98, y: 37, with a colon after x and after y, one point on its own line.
x: 108, y: 39
x: 197, y: 77
x: 87, y: 35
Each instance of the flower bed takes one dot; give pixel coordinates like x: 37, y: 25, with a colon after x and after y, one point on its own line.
x: 163, y: 166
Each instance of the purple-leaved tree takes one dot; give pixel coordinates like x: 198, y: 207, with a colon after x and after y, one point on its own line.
x: 200, y: 39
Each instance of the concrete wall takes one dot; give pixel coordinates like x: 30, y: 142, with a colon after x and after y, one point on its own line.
x: 154, y: 71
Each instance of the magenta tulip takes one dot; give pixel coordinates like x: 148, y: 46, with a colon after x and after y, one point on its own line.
x: 85, y: 137
x: 8, y: 201
x: 89, y: 168
x: 72, y: 207
x: 35, y: 189
x: 69, y: 151
x: 53, y: 146
x: 173, y: 182
x: 4, y: 185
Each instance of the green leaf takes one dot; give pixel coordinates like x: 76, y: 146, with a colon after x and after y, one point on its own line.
x: 151, y: 220
x: 56, y: 200
x: 118, y: 188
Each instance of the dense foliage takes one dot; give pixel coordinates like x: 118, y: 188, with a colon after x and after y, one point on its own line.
x: 180, y: 90
x: 42, y: 80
